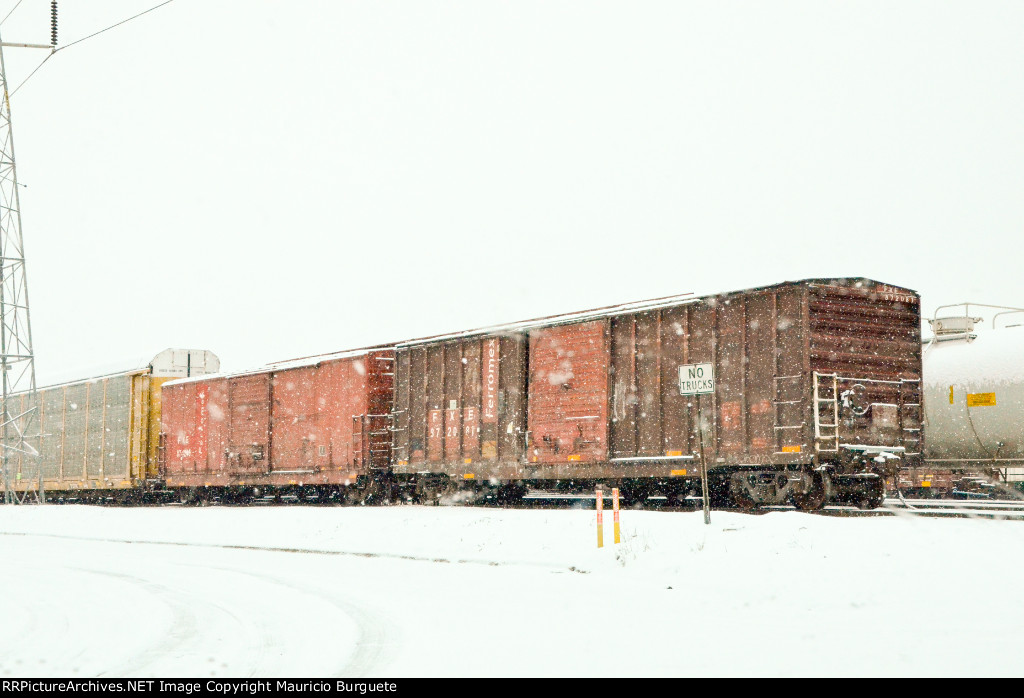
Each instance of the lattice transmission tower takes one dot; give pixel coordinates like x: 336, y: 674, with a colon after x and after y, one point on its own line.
x: 20, y: 432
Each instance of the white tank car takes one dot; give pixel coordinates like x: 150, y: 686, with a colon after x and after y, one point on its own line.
x: 974, y: 395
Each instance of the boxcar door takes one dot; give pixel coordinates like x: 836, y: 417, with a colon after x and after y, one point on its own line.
x: 294, y: 421
x: 568, y: 417
x: 249, y: 429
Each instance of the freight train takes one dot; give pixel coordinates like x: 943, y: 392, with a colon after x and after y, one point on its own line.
x: 805, y: 392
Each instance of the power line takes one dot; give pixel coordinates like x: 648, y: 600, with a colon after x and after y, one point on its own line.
x: 166, y: 2
x: 78, y: 41
x: 51, y: 55
x: 11, y: 12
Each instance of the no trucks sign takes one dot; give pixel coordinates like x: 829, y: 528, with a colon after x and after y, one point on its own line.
x: 696, y: 379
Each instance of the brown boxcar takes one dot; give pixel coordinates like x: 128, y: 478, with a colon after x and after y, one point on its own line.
x: 317, y: 425
x: 815, y: 394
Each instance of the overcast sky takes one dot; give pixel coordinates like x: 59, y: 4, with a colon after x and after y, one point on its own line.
x: 276, y: 179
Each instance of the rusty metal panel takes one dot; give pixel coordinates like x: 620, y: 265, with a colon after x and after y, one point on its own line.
x: 216, y: 418
x: 874, y: 331
x: 701, y: 348
x: 794, y: 421
x: 676, y: 410
x: 380, y: 387
x: 435, y: 403
x: 466, y: 403
x: 401, y: 421
x: 648, y: 381
x: 512, y: 399
x: 418, y: 405
x: 249, y: 423
x: 568, y: 415
x: 472, y: 394
x: 624, y: 390
x: 759, y: 387
x: 452, y: 402
x: 178, y: 419
x: 337, y: 405
x: 294, y: 420
x: 730, y: 375
x: 869, y: 335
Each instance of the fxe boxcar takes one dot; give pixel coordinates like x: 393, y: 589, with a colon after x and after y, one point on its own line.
x: 811, y: 393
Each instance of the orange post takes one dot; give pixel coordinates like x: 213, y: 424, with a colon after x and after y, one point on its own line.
x: 600, y: 519
x: 615, y: 514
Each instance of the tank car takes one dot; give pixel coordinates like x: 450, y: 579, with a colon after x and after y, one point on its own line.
x: 100, y: 435
x: 810, y: 393
x: 974, y: 405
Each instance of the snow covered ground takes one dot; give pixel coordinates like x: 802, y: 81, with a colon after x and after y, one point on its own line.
x: 409, y: 591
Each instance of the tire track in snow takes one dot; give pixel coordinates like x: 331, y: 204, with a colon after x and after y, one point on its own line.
x: 183, y: 629
x: 378, y: 638
x: 185, y: 635
x: 308, y: 551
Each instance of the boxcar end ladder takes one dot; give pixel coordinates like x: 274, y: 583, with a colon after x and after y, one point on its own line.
x: 827, y: 383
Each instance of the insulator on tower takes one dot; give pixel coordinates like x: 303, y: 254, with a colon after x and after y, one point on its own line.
x: 53, y: 22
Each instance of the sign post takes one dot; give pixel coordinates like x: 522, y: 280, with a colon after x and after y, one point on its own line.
x: 615, y: 514
x: 699, y: 379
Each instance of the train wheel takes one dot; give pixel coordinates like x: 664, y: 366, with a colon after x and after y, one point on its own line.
x: 509, y: 494
x: 633, y: 496
x: 816, y: 497
x: 741, y: 497
x: 872, y: 496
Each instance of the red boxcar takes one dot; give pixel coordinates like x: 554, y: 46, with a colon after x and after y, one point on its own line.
x: 311, y: 426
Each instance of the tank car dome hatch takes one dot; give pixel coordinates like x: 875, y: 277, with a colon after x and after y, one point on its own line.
x: 183, y: 363
x: 945, y: 326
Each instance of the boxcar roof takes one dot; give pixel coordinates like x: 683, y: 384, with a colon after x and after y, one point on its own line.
x: 636, y: 306
x: 286, y: 365
x: 110, y: 370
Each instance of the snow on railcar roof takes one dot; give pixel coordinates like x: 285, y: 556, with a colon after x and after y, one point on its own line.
x: 286, y: 365
x: 635, y: 306
x: 164, y: 364
x: 98, y: 372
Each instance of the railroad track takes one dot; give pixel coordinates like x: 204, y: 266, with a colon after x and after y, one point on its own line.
x: 893, y: 506
x: 957, y: 508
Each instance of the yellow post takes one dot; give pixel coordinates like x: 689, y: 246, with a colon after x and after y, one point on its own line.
x: 615, y: 514
x: 600, y: 518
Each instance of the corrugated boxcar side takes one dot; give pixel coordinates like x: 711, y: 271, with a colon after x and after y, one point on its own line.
x: 568, y: 393
x: 185, y: 428
x: 333, y: 415
x: 460, y: 402
x: 248, y: 425
x: 315, y: 424
x: 756, y: 414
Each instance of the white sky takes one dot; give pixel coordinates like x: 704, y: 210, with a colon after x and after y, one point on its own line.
x: 275, y: 179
